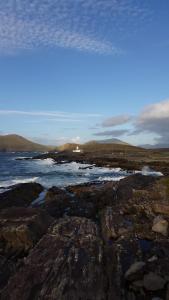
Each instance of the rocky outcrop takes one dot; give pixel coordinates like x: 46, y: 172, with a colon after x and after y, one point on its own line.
x: 67, y: 263
x: 21, y: 228
x: 160, y: 225
x: 108, y: 241
x: 20, y: 196
x: 59, y: 203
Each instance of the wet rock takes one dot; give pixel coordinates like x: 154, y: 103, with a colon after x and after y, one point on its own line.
x: 7, y: 268
x: 137, y: 267
x: 59, y: 202
x: 21, y: 195
x: 56, y: 201
x: 153, y: 282
x: 128, y: 184
x: 160, y: 208
x: 99, y: 194
x: 108, y: 224
x: 160, y: 226
x: 66, y: 264
x: 21, y: 228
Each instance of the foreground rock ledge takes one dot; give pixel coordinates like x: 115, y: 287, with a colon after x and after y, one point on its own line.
x: 67, y: 264
x: 21, y: 228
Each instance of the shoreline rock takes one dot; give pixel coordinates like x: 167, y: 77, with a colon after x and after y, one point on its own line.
x: 90, y: 241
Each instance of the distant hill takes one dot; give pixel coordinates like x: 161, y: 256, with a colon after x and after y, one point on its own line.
x: 107, y: 146
x: 156, y: 146
x: 67, y: 146
x: 109, y: 141
x: 13, y: 142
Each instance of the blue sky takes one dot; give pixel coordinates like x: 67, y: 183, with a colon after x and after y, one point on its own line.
x: 75, y: 70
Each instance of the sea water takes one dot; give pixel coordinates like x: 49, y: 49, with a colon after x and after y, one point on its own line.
x: 48, y: 173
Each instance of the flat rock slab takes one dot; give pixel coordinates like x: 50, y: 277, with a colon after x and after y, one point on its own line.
x: 67, y: 264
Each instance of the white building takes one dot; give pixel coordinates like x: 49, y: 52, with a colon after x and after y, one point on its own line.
x: 77, y: 150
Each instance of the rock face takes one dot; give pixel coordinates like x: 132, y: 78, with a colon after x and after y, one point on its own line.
x: 134, y: 268
x: 160, y: 208
x: 21, y: 195
x: 21, y: 228
x: 153, y: 282
x: 92, y: 241
x: 59, y: 203
x: 160, y: 226
x: 66, y: 264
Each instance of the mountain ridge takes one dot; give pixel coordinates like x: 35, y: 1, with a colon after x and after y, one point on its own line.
x: 14, y: 142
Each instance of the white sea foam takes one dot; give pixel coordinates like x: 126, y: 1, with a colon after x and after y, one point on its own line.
x: 40, y: 198
x: 46, y: 161
x: 10, y: 183
x: 146, y: 171
x: 21, y: 157
x: 111, y: 178
x: 2, y: 190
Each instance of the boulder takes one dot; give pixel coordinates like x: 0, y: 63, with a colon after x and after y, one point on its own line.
x: 66, y: 264
x: 21, y: 228
x: 59, y: 202
x: 21, y: 195
x: 99, y: 194
x: 153, y: 282
x: 160, y: 226
x: 160, y: 208
x: 137, y: 267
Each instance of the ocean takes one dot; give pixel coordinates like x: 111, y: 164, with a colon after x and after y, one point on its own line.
x: 48, y: 173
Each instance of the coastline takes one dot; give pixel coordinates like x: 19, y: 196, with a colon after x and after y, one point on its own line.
x: 110, y: 234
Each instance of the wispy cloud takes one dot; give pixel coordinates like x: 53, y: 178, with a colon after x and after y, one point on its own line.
x: 87, y: 25
x: 112, y: 133
x: 154, y: 119
x: 52, y: 115
x: 56, y: 141
x: 116, y: 120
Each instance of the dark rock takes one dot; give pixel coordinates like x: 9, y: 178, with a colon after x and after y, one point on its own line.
x: 59, y: 203
x: 134, y: 182
x: 67, y: 264
x: 153, y: 282
x: 135, y: 268
x: 99, y: 194
x: 21, y: 228
x: 160, y: 208
x: 160, y: 225
x: 7, y: 268
x: 21, y: 195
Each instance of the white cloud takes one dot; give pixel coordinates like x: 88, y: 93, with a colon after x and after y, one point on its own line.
x: 116, y: 120
x: 154, y: 119
x: 112, y: 133
x: 56, y: 141
x: 87, y: 25
x: 52, y: 115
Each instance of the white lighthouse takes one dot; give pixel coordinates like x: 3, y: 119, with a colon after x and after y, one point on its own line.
x: 77, y: 150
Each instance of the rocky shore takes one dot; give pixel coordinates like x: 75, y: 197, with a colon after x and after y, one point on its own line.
x: 124, y: 160
x: 97, y: 241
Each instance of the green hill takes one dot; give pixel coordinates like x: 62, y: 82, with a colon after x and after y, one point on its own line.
x: 100, y: 146
x: 13, y: 142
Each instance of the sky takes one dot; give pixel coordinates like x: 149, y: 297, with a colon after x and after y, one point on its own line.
x: 79, y: 70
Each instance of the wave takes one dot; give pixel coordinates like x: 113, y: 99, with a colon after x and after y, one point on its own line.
x: 111, y: 178
x: 10, y: 183
x: 147, y: 171
x: 46, y: 161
